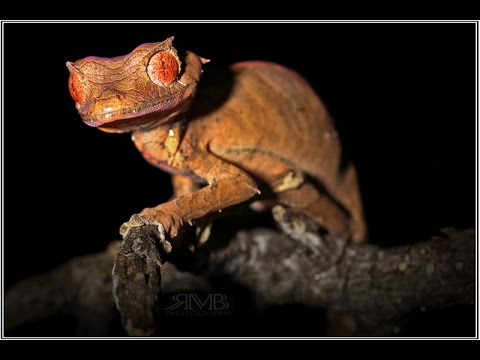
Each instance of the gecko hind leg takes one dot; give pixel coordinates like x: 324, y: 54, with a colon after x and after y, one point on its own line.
x: 348, y: 192
x: 307, y: 200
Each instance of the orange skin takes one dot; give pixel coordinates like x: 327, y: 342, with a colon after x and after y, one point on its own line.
x: 247, y: 128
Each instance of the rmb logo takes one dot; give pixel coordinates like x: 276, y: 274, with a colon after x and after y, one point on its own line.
x: 191, y: 304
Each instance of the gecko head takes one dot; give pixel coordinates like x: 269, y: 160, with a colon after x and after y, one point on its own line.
x: 126, y: 93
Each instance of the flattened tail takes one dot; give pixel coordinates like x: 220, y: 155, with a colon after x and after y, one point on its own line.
x: 348, y: 192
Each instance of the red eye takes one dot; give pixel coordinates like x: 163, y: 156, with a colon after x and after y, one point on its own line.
x: 163, y: 68
x: 76, y: 88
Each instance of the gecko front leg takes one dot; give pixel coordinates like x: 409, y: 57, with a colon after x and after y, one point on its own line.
x: 227, y: 185
x: 183, y: 185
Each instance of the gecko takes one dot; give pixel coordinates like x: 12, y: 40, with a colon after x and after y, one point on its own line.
x: 243, y: 133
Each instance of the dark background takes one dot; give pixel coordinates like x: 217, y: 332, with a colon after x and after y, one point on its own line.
x: 403, y: 96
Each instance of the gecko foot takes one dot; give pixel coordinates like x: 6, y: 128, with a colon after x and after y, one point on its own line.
x: 167, y: 222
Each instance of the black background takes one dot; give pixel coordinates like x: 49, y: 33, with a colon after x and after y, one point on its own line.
x: 403, y: 96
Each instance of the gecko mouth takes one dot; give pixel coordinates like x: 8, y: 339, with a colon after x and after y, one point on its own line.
x: 142, y: 113
x: 135, y: 123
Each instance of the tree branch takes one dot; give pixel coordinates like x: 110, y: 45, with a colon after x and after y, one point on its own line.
x: 81, y: 287
x: 376, y: 286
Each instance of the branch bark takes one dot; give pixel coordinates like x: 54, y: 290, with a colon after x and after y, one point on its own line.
x: 376, y: 286
x: 81, y: 287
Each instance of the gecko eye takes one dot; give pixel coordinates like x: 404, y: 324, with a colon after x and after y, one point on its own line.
x: 76, y: 88
x: 163, y: 68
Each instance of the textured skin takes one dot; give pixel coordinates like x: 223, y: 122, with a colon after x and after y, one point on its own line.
x: 249, y: 127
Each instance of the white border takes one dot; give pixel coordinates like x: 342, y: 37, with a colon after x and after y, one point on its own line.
x: 239, y: 21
